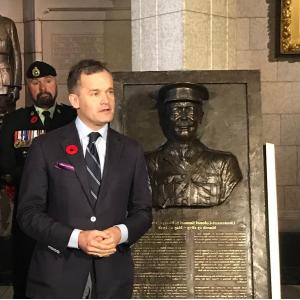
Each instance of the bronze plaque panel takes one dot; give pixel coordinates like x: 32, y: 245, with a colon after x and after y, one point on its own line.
x: 203, y: 252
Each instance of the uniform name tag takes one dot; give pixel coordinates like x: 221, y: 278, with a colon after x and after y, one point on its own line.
x: 24, y: 138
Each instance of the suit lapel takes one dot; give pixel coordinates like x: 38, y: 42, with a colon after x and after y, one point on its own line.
x: 113, y: 152
x: 77, y: 160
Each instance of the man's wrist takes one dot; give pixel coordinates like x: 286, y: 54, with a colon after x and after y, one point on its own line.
x: 124, y: 233
x: 73, y: 241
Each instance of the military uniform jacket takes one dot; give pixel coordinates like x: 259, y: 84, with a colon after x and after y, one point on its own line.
x: 55, y: 199
x: 17, y: 132
x: 198, y: 177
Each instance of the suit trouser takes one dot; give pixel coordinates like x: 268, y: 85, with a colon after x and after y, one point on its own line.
x: 90, y: 290
x: 23, y: 247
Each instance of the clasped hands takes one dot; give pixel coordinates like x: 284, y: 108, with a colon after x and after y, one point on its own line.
x: 99, y: 243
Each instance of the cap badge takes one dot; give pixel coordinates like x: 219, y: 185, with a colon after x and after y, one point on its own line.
x: 36, y: 72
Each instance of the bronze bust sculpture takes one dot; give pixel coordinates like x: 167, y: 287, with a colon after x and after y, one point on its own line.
x: 10, y: 66
x: 183, y: 171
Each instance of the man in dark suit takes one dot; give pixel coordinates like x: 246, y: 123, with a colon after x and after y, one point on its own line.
x: 19, y: 129
x: 85, y: 198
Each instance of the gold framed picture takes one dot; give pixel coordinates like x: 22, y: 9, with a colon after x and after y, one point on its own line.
x: 290, y: 27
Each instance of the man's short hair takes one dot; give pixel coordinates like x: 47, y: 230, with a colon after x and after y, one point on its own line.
x: 86, y: 66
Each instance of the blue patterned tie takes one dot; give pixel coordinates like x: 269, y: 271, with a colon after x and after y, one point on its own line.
x: 93, y: 165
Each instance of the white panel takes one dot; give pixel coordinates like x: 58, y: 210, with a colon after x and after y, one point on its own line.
x: 273, y: 221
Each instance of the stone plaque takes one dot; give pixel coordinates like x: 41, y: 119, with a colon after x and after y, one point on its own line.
x: 196, y: 252
x: 192, y: 259
x: 69, y: 42
x: 63, y: 42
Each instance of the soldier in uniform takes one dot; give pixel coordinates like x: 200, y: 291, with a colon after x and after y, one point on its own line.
x: 10, y: 66
x: 18, y: 130
x: 183, y: 171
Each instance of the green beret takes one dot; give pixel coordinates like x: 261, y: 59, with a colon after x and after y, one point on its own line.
x: 184, y: 91
x: 40, y: 69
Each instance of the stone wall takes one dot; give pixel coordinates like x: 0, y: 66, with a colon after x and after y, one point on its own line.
x: 62, y: 32
x: 280, y: 93
x: 209, y: 35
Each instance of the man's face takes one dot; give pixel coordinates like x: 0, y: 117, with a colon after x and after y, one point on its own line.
x: 94, y: 99
x: 43, y: 91
x: 182, y: 119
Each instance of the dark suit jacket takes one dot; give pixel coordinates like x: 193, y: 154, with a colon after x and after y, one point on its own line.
x: 54, y: 201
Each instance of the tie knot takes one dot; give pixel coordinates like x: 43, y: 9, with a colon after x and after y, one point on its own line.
x: 93, y: 136
x: 46, y: 113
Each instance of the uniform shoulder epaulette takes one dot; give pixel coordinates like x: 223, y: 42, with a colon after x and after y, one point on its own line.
x: 21, y: 109
x: 62, y: 105
x: 15, y: 113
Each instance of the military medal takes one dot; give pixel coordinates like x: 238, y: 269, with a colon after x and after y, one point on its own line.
x: 24, y: 138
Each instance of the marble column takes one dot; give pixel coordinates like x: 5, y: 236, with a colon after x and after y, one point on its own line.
x: 183, y: 34
x: 157, y: 35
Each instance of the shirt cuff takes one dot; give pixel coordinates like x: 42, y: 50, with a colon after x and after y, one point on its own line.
x: 124, y: 233
x: 73, y: 241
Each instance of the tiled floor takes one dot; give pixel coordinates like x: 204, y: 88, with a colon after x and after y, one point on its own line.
x: 288, y: 292
x: 6, y: 292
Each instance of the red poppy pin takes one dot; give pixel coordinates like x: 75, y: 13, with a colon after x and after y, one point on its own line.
x: 71, y: 149
x: 33, y: 119
x: 10, y: 191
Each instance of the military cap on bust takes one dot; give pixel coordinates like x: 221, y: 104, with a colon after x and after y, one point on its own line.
x: 182, y: 91
x: 40, y: 69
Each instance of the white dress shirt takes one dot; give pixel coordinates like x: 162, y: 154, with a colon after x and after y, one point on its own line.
x: 83, y: 132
